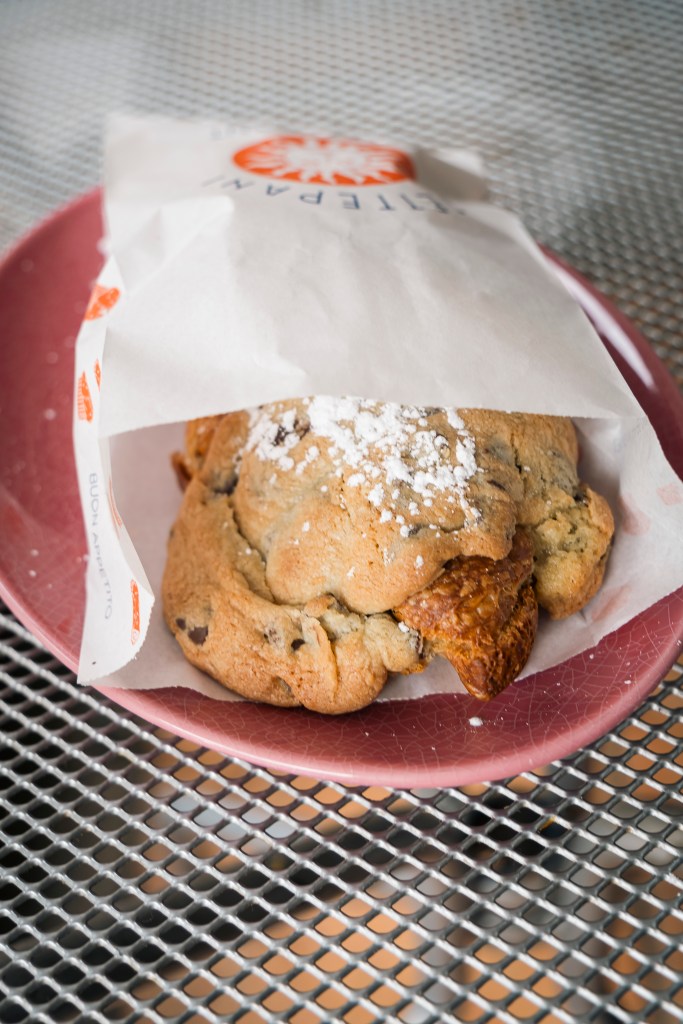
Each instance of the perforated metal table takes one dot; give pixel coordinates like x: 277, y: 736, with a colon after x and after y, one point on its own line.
x: 145, y: 879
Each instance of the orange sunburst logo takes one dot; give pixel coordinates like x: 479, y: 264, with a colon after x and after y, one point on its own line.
x: 320, y: 161
x: 101, y: 301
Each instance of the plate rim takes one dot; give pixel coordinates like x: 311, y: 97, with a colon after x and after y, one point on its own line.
x: 325, y: 766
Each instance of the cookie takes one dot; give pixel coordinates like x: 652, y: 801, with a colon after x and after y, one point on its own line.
x: 219, y: 606
x: 309, y: 526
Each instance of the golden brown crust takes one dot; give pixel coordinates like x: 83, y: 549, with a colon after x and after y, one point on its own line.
x: 481, y: 614
x: 285, y: 567
x: 198, y: 438
x: 218, y: 606
x: 571, y: 548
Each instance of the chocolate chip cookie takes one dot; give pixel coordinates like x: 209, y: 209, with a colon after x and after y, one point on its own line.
x: 323, y: 543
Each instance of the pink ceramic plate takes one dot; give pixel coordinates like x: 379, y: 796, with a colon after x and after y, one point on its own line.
x: 44, y: 284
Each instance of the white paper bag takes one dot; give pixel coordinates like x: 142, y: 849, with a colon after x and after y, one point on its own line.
x: 246, y: 267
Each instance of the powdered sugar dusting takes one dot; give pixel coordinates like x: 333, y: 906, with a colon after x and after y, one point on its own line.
x: 376, y: 495
x: 272, y: 439
x: 383, y: 444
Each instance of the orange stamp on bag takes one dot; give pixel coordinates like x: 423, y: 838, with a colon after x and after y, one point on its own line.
x: 84, y: 399
x: 135, y: 629
x: 321, y: 161
x: 101, y: 301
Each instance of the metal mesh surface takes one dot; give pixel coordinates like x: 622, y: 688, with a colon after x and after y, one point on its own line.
x: 146, y: 879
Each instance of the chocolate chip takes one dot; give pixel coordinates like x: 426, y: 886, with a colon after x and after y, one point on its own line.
x: 181, y: 624
x: 301, y: 427
x: 495, y: 483
x: 413, y: 531
x: 198, y: 634
x: 271, y: 635
x: 226, y: 486
x: 296, y: 644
